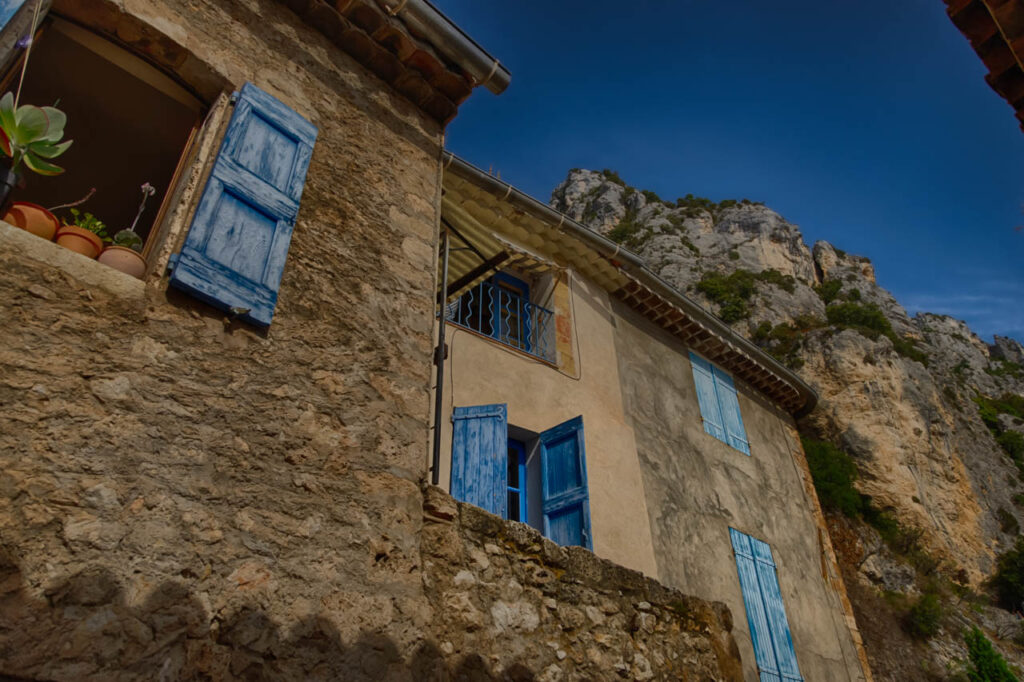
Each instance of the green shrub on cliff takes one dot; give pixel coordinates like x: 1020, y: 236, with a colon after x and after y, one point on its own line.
x: 924, y: 616
x: 869, y: 320
x: 985, y: 664
x: 1008, y: 580
x: 834, y: 472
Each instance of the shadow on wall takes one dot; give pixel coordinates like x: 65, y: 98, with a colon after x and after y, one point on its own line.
x: 85, y: 630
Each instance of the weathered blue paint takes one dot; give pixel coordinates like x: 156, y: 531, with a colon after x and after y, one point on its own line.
x: 564, y: 475
x: 480, y: 456
x: 234, y: 254
x: 766, y: 614
x: 735, y: 434
x: 707, y: 397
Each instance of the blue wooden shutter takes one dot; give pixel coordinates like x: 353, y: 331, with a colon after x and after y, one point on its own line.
x: 768, y: 580
x: 480, y: 456
x: 234, y: 254
x: 735, y: 434
x: 766, y: 616
x: 564, y: 473
x: 707, y: 397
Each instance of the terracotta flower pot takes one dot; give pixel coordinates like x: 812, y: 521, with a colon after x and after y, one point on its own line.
x: 124, y: 259
x: 79, y: 240
x: 33, y: 218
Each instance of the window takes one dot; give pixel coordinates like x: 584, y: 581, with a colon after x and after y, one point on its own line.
x: 501, y: 309
x: 540, y: 480
x: 766, y: 614
x: 719, y: 406
x: 517, y: 482
x: 130, y: 123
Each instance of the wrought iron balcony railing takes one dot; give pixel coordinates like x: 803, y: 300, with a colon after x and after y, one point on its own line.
x: 508, y: 318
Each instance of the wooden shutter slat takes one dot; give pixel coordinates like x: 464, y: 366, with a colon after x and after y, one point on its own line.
x: 480, y: 456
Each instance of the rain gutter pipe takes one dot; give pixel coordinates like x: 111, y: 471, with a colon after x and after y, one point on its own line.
x: 633, y: 265
x: 424, y: 19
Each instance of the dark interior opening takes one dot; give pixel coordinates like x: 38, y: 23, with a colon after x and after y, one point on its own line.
x: 130, y: 124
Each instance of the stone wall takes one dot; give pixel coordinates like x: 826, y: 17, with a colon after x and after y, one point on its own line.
x: 184, y: 497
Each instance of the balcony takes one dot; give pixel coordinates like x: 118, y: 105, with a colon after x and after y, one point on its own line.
x: 493, y: 310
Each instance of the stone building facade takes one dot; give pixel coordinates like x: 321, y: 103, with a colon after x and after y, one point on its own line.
x: 188, y: 493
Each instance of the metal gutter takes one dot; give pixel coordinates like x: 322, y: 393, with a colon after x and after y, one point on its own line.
x: 632, y: 264
x: 426, y: 20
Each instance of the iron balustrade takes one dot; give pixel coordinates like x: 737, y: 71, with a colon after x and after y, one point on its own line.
x: 507, y: 317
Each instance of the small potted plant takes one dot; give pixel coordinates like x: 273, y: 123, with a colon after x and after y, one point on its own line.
x: 29, y: 135
x: 126, y: 252
x: 84, y: 234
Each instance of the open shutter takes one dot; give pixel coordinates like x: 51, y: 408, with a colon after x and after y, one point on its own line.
x: 234, y: 254
x: 480, y: 456
x: 768, y: 579
x: 735, y: 434
x: 707, y: 397
x: 757, y: 619
x: 564, y: 473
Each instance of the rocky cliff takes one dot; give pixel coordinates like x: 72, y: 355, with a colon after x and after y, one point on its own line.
x: 915, y: 400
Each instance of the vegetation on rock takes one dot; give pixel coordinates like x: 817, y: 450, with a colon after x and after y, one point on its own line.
x: 985, y: 664
x: 1008, y: 580
x: 869, y: 320
x: 924, y: 617
x: 733, y: 291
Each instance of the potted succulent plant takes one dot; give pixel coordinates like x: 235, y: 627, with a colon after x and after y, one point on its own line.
x: 84, y: 234
x: 29, y: 136
x: 126, y: 252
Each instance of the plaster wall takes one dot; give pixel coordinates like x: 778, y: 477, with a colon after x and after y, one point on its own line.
x: 482, y: 371
x: 696, y: 487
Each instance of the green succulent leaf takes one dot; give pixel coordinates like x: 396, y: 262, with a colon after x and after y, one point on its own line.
x: 32, y: 124
x: 42, y: 167
x: 7, y: 120
x: 47, y: 150
x: 58, y: 119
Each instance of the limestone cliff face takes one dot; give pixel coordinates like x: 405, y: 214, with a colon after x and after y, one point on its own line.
x: 900, y: 401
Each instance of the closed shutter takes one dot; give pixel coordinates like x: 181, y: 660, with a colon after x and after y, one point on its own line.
x: 767, y: 578
x: 480, y: 456
x: 735, y: 434
x: 234, y: 254
x: 564, y: 474
x: 707, y: 397
x: 766, y: 615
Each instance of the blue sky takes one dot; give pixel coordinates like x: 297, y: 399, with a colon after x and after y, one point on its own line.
x: 869, y: 125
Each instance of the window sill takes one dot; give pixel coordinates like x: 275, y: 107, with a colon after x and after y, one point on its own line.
x: 86, y: 270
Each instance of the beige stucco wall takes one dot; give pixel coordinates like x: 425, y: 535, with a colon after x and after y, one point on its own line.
x: 697, y: 487
x: 481, y: 371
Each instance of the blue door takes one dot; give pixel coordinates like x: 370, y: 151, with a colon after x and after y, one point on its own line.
x: 234, y: 254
